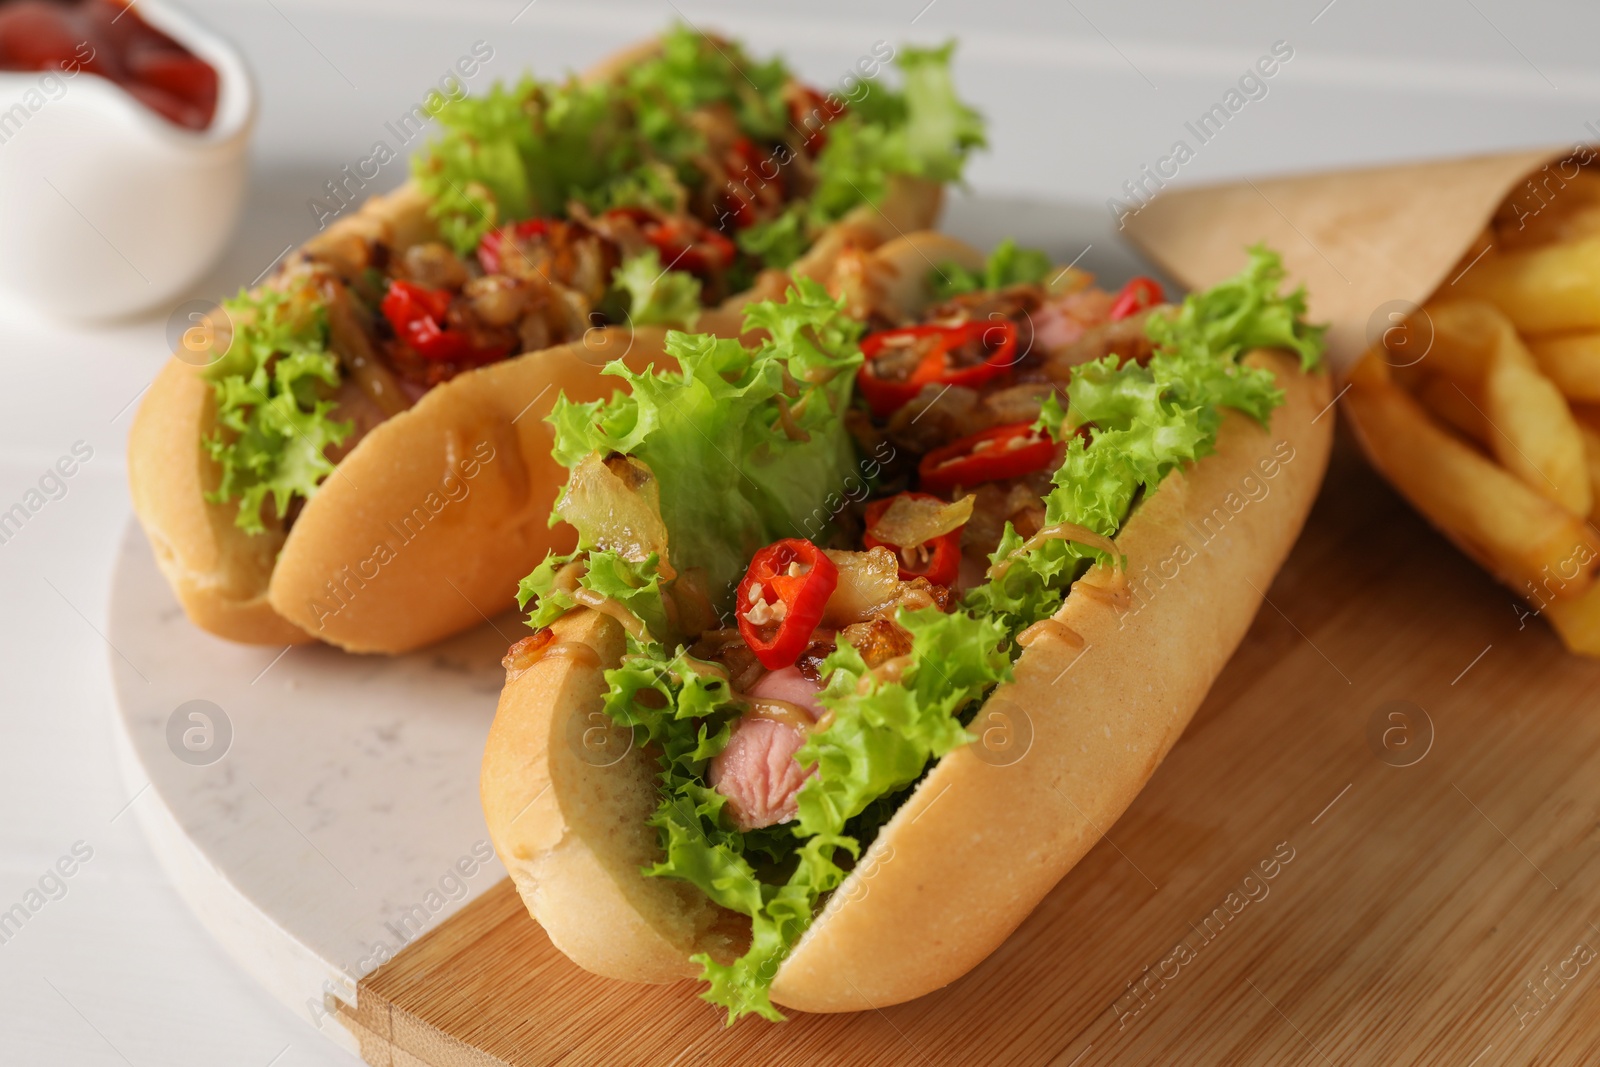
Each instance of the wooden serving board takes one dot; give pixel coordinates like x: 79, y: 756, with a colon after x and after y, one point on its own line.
x: 1379, y: 842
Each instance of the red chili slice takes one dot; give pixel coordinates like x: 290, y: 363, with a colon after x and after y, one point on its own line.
x: 749, y: 185
x: 1002, y: 452
x: 417, y: 314
x: 886, y: 395
x: 1138, y: 294
x: 785, y: 589
x: 943, y: 562
x: 491, y: 250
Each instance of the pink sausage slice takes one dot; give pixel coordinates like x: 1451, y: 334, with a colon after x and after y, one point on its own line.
x: 757, y: 770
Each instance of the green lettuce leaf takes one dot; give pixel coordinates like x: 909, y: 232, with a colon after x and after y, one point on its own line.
x: 687, y: 718
x: 927, y: 130
x: 732, y: 477
x: 779, y: 241
x: 1242, y: 313
x: 650, y: 184
x: 921, y: 129
x: 524, y: 150
x: 657, y: 297
x: 940, y: 129
x: 884, y: 734
x: 1006, y: 265
x: 1148, y: 421
x: 475, y: 172
x: 637, y: 586
x: 692, y: 72
x: 531, y: 148
x: 274, y: 427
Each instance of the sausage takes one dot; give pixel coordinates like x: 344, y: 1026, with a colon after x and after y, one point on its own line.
x: 757, y: 770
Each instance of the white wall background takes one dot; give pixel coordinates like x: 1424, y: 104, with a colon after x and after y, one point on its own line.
x: 1079, y: 94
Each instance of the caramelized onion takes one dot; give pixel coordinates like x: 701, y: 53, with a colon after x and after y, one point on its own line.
x: 869, y: 582
x: 878, y: 640
x: 910, y: 521
x: 616, y: 505
x: 348, y: 338
x: 870, y: 588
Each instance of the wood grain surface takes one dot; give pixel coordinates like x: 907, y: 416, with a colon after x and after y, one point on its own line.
x: 1378, y: 843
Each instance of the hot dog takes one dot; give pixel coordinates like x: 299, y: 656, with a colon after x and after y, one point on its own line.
x: 831, y: 774
x: 355, y: 451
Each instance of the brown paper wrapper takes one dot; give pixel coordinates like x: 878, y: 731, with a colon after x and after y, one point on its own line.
x: 1371, y: 246
x: 1363, y: 242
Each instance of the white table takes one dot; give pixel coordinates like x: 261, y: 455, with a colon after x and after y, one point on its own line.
x: 117, y: 970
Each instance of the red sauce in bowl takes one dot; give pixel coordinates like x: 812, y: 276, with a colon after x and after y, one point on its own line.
x: 108, y: 38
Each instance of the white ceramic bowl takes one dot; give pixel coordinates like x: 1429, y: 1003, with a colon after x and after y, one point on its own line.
x: 106, y: 208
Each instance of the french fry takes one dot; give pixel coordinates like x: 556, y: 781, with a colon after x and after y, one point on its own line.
x: 1589, y: 428
x: 1572, y: 361
x: 1449, y: 403
x: 1533, y: 433
x: 1551, y: 288
x: 1577, y: 622
x: 1370, y: 372
x: 1466, y: 339
x: 1541, y: 550
x: 1535, y: 437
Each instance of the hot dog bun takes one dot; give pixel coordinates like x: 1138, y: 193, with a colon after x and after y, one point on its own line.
x: 332, y: 576
x: 975, y: 848
x: 219, y: 572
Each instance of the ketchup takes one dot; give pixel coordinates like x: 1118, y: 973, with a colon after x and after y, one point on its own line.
x: 108, y: 38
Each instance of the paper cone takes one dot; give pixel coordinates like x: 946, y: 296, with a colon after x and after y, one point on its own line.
x: 1359, y: 240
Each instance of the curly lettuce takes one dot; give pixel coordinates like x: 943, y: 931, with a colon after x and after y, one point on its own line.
x: 657, y: 296
x: 1007, y: 265
x: 532, y: 147
x: 746, y: 442
x: 780, y: 240
x: 274, y: 427
x: 524, y: 150
x: 884, y: 734
x: 1146, y: 422
x: 693, y: 71
x: 922, y: 130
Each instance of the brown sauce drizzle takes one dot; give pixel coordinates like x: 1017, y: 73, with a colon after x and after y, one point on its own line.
x: 566, y: 581
x: 607, y: 606
x: 792, y: 715
x: 1050, y: 628
x: 542, y: 645
x: 791, y: 429
x: 567, y: 577
x: 1113, y: 591
x: 1062, y: 531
